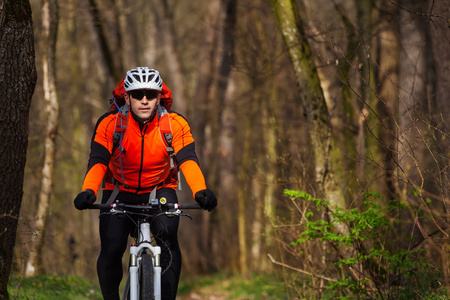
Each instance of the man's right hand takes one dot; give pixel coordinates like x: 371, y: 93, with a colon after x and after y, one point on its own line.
x: 84, y: 199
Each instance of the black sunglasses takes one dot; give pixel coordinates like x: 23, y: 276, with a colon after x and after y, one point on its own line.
x: 139, y: 94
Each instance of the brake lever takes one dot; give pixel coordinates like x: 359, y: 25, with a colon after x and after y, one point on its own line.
x: 177, y: 212
x: 186, y: 215
x: 114, y: 211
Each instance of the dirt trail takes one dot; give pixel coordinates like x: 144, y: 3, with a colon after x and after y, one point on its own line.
x: 196, y: 296
x: 206, y: 293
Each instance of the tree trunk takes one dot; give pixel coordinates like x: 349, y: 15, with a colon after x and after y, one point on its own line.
x: 258, y: 262
x: 387, y: 76
x: 227, y: 144
x: 354, y: 104
x: 266, y: 107
x: 268, y: 111
x: 202, y: 95
x: 328, y: 166
x: 17, y: 82
x: 366, y: 100
x: 111, y: 72
x: 412, y: 93
x: 50, y: 25
x: 166, y: 33
x: 201, y: 123
x: 440, y: 32
x: 229, y: 191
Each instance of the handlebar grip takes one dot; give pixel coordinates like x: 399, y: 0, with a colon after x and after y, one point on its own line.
x: 189, y: 206
x: 99, y: 206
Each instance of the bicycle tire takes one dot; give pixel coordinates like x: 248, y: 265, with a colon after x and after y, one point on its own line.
x: 146, y: 278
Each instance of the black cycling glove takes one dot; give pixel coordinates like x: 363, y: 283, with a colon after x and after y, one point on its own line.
x: 84, y: 199
x: 206, y: 199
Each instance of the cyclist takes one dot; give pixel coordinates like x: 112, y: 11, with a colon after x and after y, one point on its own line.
x: 139, y: 166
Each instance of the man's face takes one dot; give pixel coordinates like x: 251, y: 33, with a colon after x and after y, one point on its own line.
x: 143, y: 102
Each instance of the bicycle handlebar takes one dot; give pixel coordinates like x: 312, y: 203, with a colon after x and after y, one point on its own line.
x: 146, y: 206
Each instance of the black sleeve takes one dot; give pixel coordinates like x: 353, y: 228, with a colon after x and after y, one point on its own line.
x: 187, y: 153
x: 98, y: 155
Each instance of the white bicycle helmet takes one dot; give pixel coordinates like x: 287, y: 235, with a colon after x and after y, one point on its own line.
x: 142, y: 78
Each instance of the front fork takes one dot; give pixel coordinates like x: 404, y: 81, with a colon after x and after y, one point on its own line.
x: 135, y: 254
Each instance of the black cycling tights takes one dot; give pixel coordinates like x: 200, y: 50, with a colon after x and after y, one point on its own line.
x: 114, y: 231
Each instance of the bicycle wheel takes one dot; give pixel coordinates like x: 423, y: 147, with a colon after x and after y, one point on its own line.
x: 146, y: 278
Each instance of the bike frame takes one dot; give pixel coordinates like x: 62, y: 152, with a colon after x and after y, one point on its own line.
x: 143, y: 243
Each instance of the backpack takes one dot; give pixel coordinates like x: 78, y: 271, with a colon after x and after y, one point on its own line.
x: 118, y: 103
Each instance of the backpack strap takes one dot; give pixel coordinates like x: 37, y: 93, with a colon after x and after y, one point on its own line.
x: 166, y: 132
x: 165, y: 129
x: 114, y: 194
x: 120, y: 128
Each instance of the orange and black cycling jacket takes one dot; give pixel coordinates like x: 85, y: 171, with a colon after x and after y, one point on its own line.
x: 144, y: 161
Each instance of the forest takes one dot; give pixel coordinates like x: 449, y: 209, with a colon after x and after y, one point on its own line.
x: 321, y: 125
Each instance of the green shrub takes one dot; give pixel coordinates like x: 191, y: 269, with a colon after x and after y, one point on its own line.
x: 372, y: 252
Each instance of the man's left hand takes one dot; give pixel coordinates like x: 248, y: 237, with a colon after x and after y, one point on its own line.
x: 206, y: 199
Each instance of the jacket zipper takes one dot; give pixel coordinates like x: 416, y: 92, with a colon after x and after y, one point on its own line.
x: 142, y: 155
